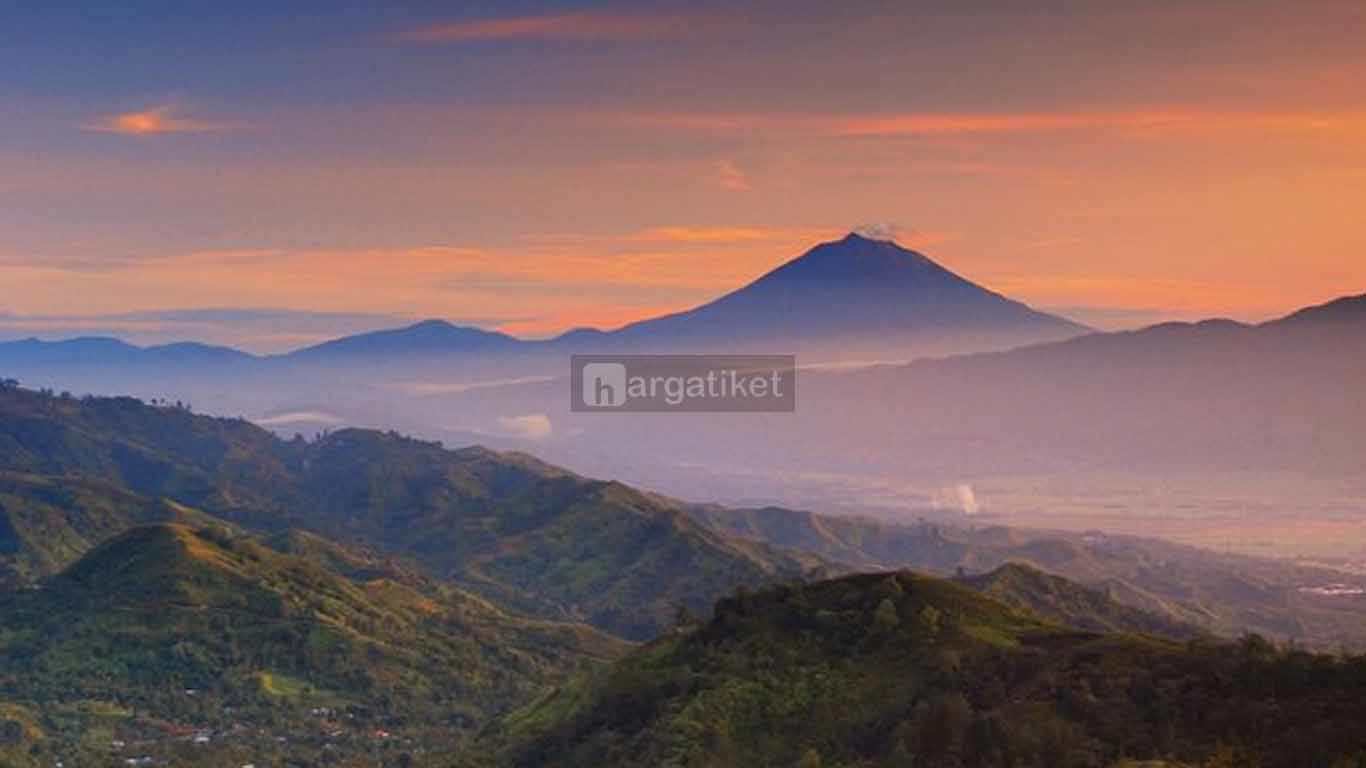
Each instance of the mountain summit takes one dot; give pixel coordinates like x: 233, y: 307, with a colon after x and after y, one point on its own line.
x: 860, y: 291
x: 429, y: 337
x: 855, y: 257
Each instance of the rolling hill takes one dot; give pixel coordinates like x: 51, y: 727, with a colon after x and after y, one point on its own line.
x: 46, y: 521
x: 1070, y: 604
x: 170, y: 627
x: 898, y: 669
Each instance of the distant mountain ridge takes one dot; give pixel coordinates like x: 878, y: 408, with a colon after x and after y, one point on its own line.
x: 1279, y: 399
x: 854, y: 289
x: 1345, y: 310
x: 424, y: 338
x: 853, y: 296
x: 104, y: 350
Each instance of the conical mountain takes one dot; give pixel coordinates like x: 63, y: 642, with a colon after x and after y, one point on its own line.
x: 856, y: 289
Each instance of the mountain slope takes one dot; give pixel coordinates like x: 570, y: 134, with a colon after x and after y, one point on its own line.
x: 1347, y: 310
x: 533, y: 536
x: 1070, y: 604
x: 855, y: 290
x: 530, y: 535
x: 258, y: 636
x: 899, y: 669
x: 153, y: 451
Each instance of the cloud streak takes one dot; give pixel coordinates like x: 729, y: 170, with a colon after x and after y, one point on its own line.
x: 152, y: 122
x: 583, y: 27
x: 730, y: 177
x: 955, y: 124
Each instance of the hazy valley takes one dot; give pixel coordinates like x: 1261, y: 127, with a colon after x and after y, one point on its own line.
x: 181, y: 585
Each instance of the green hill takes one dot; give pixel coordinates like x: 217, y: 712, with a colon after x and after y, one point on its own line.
x: 153, y: 451
x: 906, y: 670
x: 46, y: 522
x: 1071, y: 604
x: 167, y: 628
x: 529, y: 535
x: 534, y: 537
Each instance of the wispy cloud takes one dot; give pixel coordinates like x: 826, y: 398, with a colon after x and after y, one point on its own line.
x: 534, y: 285
x: 153, y: 122
x: 531, y: 426
x: 729, y: 176
x: 1140, y: 121
x: 1170, y: 298
x: 1134, y: 122
x: 1120, y: 318
x: 583, y: 26
x: 907, y: 236
x: 941, y: 124
x: 693, y: 235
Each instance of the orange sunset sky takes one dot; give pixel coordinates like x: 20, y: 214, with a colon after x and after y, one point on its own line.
x: 538, y: 166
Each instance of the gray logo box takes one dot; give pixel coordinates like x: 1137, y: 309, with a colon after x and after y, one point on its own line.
x: 683, y: 383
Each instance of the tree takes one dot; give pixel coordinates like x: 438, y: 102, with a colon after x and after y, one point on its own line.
x: 885, y: 618
x: 928, y: 621
x: 944, y: 726
x: 684, y: 618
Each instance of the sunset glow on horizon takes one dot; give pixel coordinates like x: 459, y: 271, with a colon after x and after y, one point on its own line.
x: 552, y: 165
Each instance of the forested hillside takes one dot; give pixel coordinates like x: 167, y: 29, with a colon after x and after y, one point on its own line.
x: 535, y: 537
x: 167, y: 631
x: 898, y: 669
